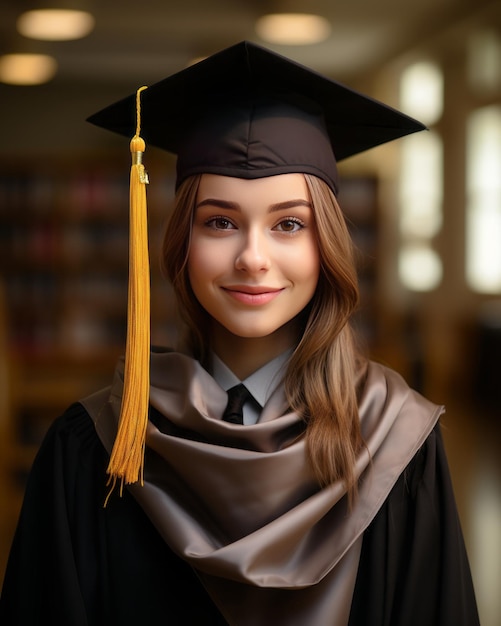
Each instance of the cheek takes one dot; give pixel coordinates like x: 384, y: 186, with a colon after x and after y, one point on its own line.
x: 204, y: 262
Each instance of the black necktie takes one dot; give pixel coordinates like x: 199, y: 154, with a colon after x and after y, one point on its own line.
x: 237, y: 397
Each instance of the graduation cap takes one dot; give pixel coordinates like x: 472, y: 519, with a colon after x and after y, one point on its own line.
x: 248, y: 112
x: 244, y: 112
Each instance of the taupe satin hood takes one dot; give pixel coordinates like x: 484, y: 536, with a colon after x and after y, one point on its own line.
x: 240, y: 504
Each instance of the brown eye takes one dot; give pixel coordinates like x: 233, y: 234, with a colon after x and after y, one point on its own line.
x: 220, y: 223
x: 290, y: 225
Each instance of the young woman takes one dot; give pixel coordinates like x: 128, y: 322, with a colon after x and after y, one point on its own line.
x: 324, y: 497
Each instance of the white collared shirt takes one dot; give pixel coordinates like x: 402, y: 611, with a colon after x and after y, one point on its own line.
x: 261, y: 384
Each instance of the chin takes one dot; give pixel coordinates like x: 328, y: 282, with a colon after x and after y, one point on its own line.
x: 249, y: 333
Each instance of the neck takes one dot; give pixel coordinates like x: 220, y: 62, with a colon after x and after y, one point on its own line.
x: 245, y: 355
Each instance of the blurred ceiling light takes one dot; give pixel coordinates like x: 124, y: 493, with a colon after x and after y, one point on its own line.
x: 295, y: 29
x: 55, y: 24
x: 27, y: 69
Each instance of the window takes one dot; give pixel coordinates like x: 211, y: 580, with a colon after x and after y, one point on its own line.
x: 483, y: 204
x: 421, y: 180
x: 421, y: 92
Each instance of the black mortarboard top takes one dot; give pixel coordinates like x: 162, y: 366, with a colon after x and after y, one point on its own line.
x: 248, y: 112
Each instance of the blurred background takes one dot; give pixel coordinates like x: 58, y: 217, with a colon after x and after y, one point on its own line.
x: 425, y: 212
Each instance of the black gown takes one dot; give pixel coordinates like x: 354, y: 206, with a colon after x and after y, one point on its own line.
x: 75, y: 563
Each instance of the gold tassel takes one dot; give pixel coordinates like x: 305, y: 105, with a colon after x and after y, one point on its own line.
x: 127, y: 457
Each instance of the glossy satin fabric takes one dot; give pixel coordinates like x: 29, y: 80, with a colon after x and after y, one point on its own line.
x: 240, y: 504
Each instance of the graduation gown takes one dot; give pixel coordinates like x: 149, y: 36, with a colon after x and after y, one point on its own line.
x: 75, y: 562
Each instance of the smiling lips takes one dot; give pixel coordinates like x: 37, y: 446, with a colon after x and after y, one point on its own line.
x: 252, y: 295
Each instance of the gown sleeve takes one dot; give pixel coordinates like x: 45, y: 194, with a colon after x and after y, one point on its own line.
x: 413, y: 567
x: 75, y: 563
x: 41, y: 580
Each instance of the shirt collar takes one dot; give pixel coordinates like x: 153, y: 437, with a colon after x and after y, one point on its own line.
x: 260, y: 383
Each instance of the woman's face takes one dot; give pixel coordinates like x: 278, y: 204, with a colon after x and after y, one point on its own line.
x: 253, y: 261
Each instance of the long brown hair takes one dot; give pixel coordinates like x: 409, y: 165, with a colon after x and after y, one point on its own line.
x: 320, y: 382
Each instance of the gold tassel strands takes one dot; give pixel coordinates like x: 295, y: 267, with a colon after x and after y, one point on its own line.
x: 127, y: 457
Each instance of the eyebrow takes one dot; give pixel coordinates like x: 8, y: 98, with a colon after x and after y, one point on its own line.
x: 279, y: 206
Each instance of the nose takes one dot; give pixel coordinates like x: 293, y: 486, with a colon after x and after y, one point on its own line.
x: 253, y: 255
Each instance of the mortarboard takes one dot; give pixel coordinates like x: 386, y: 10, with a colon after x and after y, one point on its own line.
x: 248, y: 112
x: 244, y: 112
